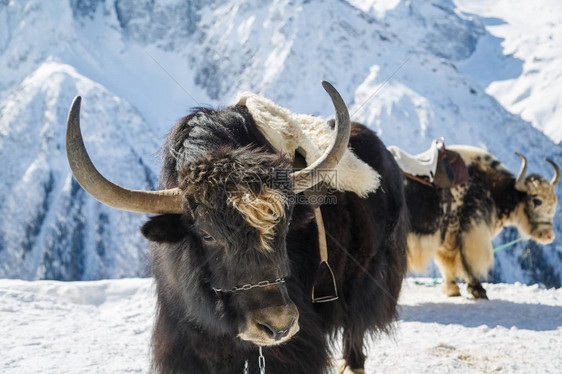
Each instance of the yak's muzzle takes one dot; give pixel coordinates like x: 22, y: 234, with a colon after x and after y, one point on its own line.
x: 271, y: 326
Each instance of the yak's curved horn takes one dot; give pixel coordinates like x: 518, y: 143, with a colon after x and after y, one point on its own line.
x: 156, y: 202
x: 520, y: 180
x: 556, y: 177
x: 307, y: 178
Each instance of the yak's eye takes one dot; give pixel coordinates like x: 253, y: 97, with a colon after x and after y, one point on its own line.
x: 537, y: 202
x: 206, y: 237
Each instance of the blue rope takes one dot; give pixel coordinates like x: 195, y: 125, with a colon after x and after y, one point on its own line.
x: 504, y: 246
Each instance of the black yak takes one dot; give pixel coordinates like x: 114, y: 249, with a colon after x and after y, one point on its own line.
x: 234, y: 253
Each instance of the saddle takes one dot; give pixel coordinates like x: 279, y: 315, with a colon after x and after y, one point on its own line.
x: 437, y: 166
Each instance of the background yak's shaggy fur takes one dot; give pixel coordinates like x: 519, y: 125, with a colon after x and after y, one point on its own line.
x: 457, y: 228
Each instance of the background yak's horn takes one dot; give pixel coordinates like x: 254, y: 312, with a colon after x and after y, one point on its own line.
x: 307, y: 178
x: 156, y: 202
x: 556, y: 177
x: 520, y: 180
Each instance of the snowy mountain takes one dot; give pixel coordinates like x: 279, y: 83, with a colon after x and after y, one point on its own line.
x: 524, y: 41
x: 104, y: 327
x: 52, y: 229
x: 412, y: 70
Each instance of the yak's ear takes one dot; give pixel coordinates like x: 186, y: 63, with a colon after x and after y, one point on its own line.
x: 167, y: 228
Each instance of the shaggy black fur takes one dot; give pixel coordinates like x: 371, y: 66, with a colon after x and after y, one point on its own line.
x: 487, y: 192
x: 195, y: 330
x: 503, y: 194
x: 424, y: 207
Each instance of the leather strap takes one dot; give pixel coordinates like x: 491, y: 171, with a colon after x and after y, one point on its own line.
x: 321, y: 235
x: 319, y: 190
x: 324, y: 269
x: 418, y: 179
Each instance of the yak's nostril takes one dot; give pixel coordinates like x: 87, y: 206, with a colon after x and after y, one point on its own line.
x: 276, y: 334
x: 281, y: 333
x: 265, y: 327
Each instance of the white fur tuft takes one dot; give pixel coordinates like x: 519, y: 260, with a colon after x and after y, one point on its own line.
x: 288, y: 132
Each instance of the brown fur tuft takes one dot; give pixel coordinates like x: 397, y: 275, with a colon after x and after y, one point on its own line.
x: 262, y: 212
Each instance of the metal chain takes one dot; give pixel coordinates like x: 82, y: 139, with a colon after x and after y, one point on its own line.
x: 261, y: 362
x: 249, y: 286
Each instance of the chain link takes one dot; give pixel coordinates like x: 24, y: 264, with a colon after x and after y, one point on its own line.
x: 261, y: 362
x: 249, y: 286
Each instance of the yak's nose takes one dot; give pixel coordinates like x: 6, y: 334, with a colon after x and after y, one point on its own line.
x: 272, y: 325
x: 546, y: 236
x: 549, y: 236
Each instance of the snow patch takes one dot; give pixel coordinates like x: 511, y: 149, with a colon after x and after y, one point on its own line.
x: 105, y: 326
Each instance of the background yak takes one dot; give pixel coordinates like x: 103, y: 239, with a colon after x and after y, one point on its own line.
x: 235, y: 258
x: 458, y: 228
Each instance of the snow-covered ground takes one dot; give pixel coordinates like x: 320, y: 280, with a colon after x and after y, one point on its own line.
x: 104, y: 327
x: 75, y: 327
